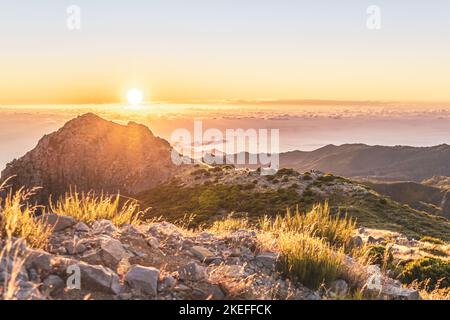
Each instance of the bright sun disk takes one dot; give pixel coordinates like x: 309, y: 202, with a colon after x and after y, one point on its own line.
x: 134, y: 96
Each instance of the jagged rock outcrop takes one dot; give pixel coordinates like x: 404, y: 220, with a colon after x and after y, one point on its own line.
x: 91, y: 153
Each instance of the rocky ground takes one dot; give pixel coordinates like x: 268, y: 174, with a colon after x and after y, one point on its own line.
x: 162, y: 261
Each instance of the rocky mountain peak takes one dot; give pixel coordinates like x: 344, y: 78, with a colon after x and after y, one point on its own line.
x: 91, y: 153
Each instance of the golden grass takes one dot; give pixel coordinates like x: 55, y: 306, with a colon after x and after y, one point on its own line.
x: 310, y: 260
x: 319, y: 222
x: 229, y: 224
x: 17, y: 219
x: 88, y: 207
x: 311, y: 245
x: 437, y: 293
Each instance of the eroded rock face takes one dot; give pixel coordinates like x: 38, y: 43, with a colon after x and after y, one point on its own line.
x: 94, y: 154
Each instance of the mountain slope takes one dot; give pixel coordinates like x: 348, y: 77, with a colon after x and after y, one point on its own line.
x: 419, y: 196
x: 388, y: 163
x: 92, y: 153
x: 213, y: 193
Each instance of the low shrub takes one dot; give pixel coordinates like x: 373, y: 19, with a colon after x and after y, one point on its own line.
x: 380, y: 255
x: 432, y: 240
x: 435, y: 271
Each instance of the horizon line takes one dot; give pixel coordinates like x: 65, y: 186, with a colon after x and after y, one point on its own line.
x: 261, y: 101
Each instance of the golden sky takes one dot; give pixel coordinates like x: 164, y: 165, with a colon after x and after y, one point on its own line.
x: 174, y: 51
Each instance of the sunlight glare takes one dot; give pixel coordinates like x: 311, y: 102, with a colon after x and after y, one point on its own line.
x: 134, y: 96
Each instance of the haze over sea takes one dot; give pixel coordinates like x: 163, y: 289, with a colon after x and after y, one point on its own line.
x: 302, y: 126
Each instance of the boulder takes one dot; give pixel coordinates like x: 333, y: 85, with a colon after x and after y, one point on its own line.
x: 27, y: 290
x: 338, y: 288
x: 57, y: 222
x: 74, y: 248
x: 81, y: 227
x: 53, y: 285
x: 356, y: 242
x: 130, y: 230
x: 112, y: 252
x: 92, y: 257
x: 167, y: 283
x: 7, y: 266
x: 103, y: 227
x: 202, y: 253
x: 383, y: 287
x: 267, y: 259
x: 192, y: 271
x: 143, y: 279
x: 371, y: 240
x: 39, y: 260
x: 99, y: 278
x: 187, y: 244
x: 165, y: 229
x: 153, y: 242
x: 216, y: 292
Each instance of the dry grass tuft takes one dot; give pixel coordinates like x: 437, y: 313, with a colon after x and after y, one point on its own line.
x: 310, y: 260
x: 319, y: 222
x: 88, y: 207
x: 18, y: 219
x: 426, y: 293
x: 229, y: 224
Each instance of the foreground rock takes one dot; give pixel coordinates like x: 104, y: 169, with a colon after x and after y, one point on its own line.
x: 383, y: 287
x: 99, y: 278
x: 144, y: 279
x: 57, y: 222
x: 160, y: 260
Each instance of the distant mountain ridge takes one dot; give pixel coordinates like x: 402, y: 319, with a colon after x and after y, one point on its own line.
x: 399, y: 163
x: 94, y: 154
x: 379, y: 162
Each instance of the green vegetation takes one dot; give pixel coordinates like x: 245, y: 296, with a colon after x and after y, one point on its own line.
x: 435, y: 272
x: 435, y: 251
x: 370, y: 212
x: 432, y: 240
x: 287, y: 172
x: 207, y: 201
x: 214, y: 200
x: 380, y: 255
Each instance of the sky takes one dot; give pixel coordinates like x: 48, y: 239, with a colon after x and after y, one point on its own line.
x: 198, y: 50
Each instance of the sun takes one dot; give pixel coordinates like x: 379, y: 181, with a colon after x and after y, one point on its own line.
x: 135, y: 96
